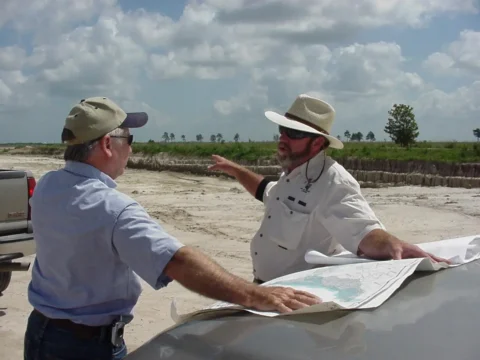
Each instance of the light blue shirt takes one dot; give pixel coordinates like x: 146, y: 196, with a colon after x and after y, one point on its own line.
x: 92, y: 241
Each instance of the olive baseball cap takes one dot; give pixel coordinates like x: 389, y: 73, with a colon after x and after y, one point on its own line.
x: 95, y: 117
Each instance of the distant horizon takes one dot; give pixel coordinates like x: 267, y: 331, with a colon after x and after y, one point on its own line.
x: 253, y: 141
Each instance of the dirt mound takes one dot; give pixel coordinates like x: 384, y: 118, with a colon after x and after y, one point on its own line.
x: 367, y: 172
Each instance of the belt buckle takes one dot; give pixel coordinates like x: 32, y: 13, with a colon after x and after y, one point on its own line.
x: 117, y: 332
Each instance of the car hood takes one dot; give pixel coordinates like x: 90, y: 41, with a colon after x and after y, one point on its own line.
x: 431, y: 316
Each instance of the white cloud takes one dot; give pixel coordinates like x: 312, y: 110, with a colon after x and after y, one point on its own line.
x: 359, y: 72
x: 5, y: 92
x: 313, y: 14
x: 262, y: 52
x: 255, y: 97
x: 466, y: 51
x: 150, y: 30
x: 11, y: 58
x: 461, y: 57
x: 44, y: 18
x: 369, y: 70
x: 246, y: 33
x: 451, y: 105
x: 91, y: 58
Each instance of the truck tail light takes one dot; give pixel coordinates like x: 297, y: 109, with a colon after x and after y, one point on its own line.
x: 31, y: 187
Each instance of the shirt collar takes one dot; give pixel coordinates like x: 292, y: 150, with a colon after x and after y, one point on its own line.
x: 89, y: 171
x: 315, y: 162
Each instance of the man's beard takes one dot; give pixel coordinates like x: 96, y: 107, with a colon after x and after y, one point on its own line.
x: 290, y: 160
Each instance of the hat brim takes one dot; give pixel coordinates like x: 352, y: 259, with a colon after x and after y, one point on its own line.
x: 135, y: 120
x: 292, y: 124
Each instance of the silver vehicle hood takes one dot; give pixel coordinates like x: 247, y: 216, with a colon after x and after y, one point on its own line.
x: 432, y: 316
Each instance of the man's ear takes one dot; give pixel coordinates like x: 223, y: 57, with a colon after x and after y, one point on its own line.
x: 106, y: 145
x: 319, y: 142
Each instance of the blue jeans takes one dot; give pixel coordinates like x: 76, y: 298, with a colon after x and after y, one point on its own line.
x: 45, y: 341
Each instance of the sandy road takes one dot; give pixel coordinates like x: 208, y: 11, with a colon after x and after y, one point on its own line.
x: 219, y: 217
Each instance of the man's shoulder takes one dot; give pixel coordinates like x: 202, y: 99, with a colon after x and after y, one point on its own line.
x: 117, y: 198
x: 105, y: 200
x: 47, y: 178
x: 82, y: 190
x: 337, y: 174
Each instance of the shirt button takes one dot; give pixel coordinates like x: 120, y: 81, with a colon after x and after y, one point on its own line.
x: 261, y: 235
x: 291, y: 212
x: 256, y: 253
x: 278, y: 198
x: 269, y: 216
x: 288, y: 180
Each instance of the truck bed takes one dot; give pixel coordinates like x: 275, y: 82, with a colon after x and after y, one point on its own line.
x: 14, y: 208
x: 16, y: 233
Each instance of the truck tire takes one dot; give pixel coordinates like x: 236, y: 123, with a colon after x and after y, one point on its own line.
x: 5, y: 277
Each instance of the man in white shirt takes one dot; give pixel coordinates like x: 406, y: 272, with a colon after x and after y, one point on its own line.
x: 315, y: 204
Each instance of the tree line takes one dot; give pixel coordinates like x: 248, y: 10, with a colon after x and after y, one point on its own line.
x: 166, y: 137
x: 401, y: 127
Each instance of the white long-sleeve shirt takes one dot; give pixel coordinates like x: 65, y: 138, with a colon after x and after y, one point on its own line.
x: 330, y: 213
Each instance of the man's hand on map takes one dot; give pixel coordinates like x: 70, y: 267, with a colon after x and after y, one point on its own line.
x: 403, y: 250
x: 281, y: 299
x: 379, y: 244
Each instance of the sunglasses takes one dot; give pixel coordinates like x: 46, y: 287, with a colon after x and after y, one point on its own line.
x: 296, y: 134
x: 129, y: 137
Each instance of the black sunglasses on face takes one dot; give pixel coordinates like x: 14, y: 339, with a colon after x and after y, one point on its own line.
x: 296, y: 134
x: 129, y: 137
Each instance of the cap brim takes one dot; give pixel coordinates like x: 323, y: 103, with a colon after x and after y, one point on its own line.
x: 292, y: 124
x: 135, y: 120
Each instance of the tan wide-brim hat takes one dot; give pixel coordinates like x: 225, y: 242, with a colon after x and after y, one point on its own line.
x: 310, y: 115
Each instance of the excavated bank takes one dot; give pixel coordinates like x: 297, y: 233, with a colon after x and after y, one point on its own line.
x: 368, y: 172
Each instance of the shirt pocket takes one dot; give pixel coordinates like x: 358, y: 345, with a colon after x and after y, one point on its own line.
x: 287, y: 227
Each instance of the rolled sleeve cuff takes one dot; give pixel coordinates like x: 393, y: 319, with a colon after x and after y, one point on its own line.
x: 163, y: 280
x: 353, y: 246
x: 261, y: 189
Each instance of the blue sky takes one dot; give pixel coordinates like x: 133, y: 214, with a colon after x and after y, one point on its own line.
x: 214, y: 66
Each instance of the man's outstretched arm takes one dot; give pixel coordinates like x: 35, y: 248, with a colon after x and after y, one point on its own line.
x: 249, y: 180
x: 349, y: 218
x: 202, y: 275
x: 158, y: 258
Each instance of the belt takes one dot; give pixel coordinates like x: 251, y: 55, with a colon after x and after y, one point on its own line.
x: 80, y: 330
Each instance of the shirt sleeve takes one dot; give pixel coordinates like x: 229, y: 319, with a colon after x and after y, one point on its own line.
x: 268, y: 190
x: 346, y: 214
x: 143, y: 245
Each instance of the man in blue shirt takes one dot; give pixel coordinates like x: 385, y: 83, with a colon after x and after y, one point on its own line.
x: 94, y: 242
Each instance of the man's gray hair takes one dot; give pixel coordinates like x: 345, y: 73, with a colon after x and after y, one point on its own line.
x: 81, y: 152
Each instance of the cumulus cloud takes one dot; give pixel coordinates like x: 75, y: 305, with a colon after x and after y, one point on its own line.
x: 310, y: 15
x: 461, y: 57
x: 90, y: 59
x: 251, y: 55
x: 47, y: 18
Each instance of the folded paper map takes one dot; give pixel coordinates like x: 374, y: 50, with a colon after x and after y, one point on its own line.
x: 346, y: 281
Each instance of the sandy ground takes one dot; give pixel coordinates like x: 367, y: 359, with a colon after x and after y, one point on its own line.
x: 219, y: 217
